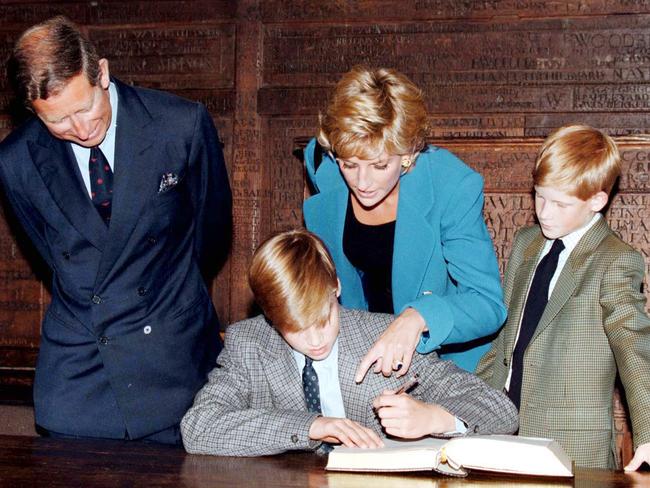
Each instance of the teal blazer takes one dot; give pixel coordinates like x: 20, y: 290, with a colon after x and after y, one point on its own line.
x: 444, y: 264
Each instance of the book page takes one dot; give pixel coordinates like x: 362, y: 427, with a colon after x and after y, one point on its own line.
x: 497, y: 453
x: 510, y: 454
x: 396, y: 455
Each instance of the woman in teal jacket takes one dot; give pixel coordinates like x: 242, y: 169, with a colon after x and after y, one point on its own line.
x: 404, y: 224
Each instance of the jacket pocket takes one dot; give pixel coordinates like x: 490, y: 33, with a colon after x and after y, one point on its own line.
x: 581, y: 418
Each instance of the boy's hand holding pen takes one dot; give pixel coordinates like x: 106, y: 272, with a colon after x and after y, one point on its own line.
x: 407, y: 417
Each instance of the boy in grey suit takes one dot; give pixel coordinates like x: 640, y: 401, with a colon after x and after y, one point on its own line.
x: 256, y: 403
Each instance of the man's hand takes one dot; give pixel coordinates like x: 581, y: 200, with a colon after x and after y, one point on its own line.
x: 641, y: 455
x: 395, y: 347
x: 344, y: 431
x: 404, y: 416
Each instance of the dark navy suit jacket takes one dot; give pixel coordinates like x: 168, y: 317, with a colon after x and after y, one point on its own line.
x: 131, y: 332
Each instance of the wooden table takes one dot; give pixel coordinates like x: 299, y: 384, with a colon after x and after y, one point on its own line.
x: 30, y: 462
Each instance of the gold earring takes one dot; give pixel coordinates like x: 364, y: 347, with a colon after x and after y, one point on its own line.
x: 407, y: 161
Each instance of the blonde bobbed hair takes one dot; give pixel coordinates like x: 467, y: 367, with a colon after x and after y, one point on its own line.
x: 372, y: 111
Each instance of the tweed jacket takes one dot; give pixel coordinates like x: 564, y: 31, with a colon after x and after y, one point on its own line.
x: 253, y: 403
x: 594, y: 326
x: 444, y: 264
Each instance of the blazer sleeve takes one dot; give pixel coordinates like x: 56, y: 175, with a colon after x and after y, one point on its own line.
x: 475, y: 308
x: 628, y: 329
x: 223, y: 421
x: 210, y: 190
x: 29, y: 218
x: 483, y: 409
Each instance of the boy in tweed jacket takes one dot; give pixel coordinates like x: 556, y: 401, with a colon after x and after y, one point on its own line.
x: 254, y: 402
x: 592, y: 322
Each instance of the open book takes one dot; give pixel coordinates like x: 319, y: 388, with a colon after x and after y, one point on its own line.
x: 499, y: 453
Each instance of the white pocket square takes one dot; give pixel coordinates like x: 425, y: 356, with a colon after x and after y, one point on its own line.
x: 167, y: 182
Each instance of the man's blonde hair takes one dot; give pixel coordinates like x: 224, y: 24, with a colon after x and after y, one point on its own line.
x: 293, y: 278
x: 371, y: 111
x: 578, y: 160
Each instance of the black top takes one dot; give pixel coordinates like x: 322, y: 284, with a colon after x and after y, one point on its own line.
x: 370, y: 250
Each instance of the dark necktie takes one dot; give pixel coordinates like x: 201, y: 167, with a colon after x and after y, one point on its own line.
x: 101, y: 183
x: 312, y: 394
x: 310, y: 387
x: 535, y: 305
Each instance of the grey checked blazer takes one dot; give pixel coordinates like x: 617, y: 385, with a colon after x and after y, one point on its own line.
x: 594, y: 324
x: 253, y: 403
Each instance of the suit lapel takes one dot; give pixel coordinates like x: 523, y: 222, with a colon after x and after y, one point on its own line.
x: 354, y: 342
x: 524, y: 276
x: 281, y: 370
x: 561, y: 292
x: 57, y: 165
x: 354, y: 395
x: 566, y: 283
x: 413, y: 234
x: 134, y: 173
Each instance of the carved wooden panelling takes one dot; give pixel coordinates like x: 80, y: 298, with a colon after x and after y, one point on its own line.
x: 117, y: 12
x: 369, y: 11
x: 171, y: 57
x: 507, y: 165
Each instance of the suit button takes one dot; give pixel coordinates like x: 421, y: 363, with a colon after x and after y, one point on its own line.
x: 505, y: 362
x: 151, y: 240
x: 147, y: 329
x: 103, y: 340
x: 96, y: 299
x: 142, y: 291
x: 294, y: 438
x: 476, y: 429
x: 66, y: 255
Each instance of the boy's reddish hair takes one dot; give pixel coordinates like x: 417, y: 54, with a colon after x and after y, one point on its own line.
x: 578, y: 160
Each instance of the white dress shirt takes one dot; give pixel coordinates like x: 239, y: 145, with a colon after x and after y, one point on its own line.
x: 82, y: 154
x: 570, y: 241
x: 331, y: 399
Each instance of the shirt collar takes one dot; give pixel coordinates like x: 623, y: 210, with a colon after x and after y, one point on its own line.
x: 571, y: 240
x: 328, y: 362
x: 108, y: 144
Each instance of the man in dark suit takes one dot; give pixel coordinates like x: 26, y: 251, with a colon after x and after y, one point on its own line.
x: 124, y: 193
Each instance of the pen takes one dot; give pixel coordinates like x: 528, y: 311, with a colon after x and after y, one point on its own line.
x: 408, y: 384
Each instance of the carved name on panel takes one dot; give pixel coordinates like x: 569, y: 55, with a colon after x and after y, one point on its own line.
x: 198, y: 57
x: 308, y: 10
x: 507, y: 166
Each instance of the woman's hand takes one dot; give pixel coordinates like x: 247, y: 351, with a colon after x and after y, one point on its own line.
x: 404, y: 416
x: 395, y: 347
